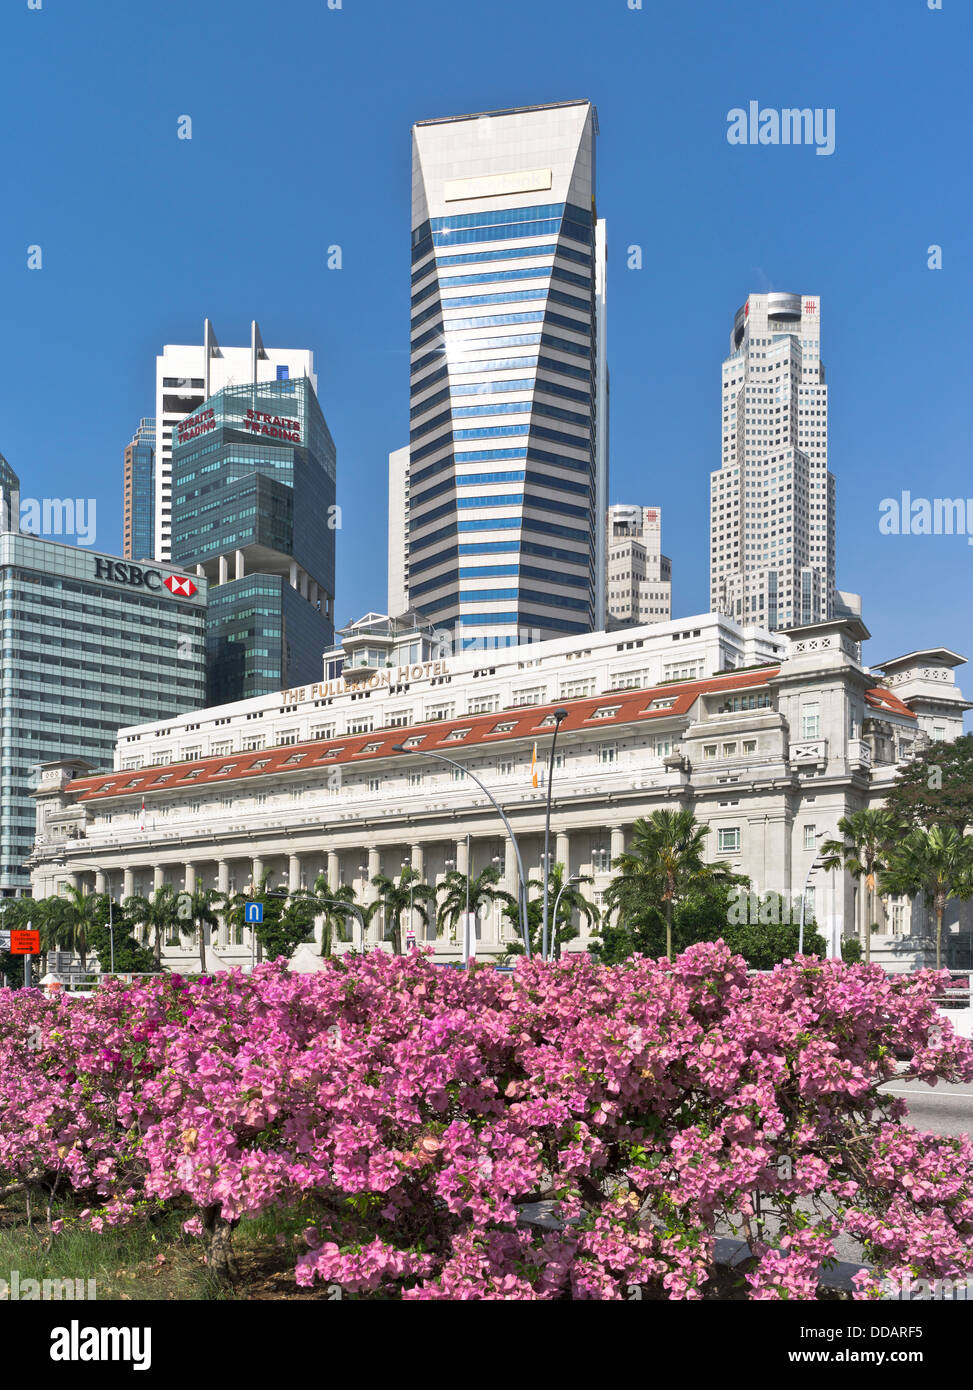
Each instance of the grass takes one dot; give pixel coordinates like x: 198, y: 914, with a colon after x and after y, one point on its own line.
x: 157, y: 1262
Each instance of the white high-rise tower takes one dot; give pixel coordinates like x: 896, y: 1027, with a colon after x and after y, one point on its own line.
x: 772, y: 503
x: 508, y: 450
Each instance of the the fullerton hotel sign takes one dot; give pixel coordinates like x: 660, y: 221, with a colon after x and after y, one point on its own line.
x: 345, y: 685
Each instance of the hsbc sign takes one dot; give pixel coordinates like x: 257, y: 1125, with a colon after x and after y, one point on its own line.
x: 123, y: 572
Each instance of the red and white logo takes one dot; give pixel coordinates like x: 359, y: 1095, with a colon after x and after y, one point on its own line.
x: 810, y: 307
x: 177, y: 585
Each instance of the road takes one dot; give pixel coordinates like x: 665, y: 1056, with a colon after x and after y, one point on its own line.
x: 946, y: 1108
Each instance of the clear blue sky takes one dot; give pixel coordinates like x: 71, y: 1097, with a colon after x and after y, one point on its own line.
x: 301, y: 118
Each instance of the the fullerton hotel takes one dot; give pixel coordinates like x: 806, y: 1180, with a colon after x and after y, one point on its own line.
x: 769, y: 738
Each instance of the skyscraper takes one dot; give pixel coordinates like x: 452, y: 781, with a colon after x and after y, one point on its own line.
x: 188, y: 374
x: 508, y: 462
x: 639, y: 578
x: 253, y: 509
x: 772, y: 503
x: 139, y: 510
x: 398, y: 579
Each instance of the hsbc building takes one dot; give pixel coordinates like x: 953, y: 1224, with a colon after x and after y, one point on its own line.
x: 92, y: 643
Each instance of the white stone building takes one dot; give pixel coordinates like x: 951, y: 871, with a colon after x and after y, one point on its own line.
x: 638, y: 584
x: 769, y: 738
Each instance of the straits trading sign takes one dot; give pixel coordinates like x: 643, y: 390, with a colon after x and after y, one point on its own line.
x: 394, y: 675
x: 276, y: 426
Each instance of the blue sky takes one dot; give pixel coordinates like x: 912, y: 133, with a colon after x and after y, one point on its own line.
x: 301, y: 139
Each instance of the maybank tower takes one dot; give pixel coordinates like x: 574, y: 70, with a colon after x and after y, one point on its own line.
x: 508, y: 444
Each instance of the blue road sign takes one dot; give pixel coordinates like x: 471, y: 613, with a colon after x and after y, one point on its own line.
x: 253, y: 912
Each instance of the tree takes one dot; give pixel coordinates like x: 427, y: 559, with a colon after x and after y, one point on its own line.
x: 480, y: 892
x: 266, y: 933
x: 117, y: 946
x: 937, y: 862
x: 663, y: 866
x: 197, y: 911
x: 79, y: 917
x: 397, y: 898
x: 867, y: 839
x: 936, y: 787
x: 324, y: 901
x: 159, y: 914
x: 561, y: 930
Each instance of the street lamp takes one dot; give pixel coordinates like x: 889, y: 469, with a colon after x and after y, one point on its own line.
x: 815, y: 864
x: 111, y: 922
x: 559, y: 714
x: 566, y: 884
x: 422, y: 753
x: 348, y: 907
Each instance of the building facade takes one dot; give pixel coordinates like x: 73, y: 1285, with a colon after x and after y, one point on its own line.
x: 398, y: 576
x: 186, y: 375
x: 334, y: 778
x: 138, y: 533
x: 508, y: 463
x: 638, y: 585
x: 772, y: 501
x: 254, y: 511
x: 90, y: 643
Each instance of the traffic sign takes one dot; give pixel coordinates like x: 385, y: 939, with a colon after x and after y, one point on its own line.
x: 25, y: 943
x: 253, y: 912
x: 4, y: 941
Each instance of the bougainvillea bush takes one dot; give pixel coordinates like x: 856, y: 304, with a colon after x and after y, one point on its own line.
x: 425, y: 1117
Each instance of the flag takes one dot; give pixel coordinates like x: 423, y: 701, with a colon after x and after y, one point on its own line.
x: 533, y: 766
x: 142, y: 816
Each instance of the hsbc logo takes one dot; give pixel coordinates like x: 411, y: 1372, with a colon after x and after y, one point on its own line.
x: 177, y: 585
x: 123, y: 572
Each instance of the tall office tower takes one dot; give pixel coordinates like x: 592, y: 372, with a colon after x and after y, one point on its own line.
x: 772, y: 503
x: 187, y: 375
x: 639, y: 578
x: 253, y: 509
x: 139, y: 517
x: 398, y: 595
x: 508, y: 466
x: 9, y: 497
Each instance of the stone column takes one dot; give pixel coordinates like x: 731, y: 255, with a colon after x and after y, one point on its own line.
x: 189, y: 876
x: 240, y: 569
x: 293, y: 873
x: 617, y: 842
x: 223, y: 888
x: 507, y: 932
x: 128, y: 883
x: 562, y: 853
x: 158, y: 876
x: 100, y: 881
x: 377, y: 925
x: 257, y: 872
x: 333, y: 870
x: 224, y: 569
x: 428, y: 933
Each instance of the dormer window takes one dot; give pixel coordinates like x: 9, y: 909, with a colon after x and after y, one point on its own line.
x: 605, y: 712
x: 455, y: 735
x: 294, y: 758
x: 505, y: 728
x: 414, y: 741
x: 227, y: 767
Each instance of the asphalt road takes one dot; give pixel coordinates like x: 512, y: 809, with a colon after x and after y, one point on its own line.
x: 946, y: 1108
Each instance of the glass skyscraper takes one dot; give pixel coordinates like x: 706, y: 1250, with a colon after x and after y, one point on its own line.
x: 508, y: 462
x: 139, y: 510
x: 91, y: 643
x: 253, y: 509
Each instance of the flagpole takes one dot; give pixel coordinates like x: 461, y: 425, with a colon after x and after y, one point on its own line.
x: 559, y: 714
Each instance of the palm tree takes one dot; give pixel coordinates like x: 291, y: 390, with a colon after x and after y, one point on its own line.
x: 234, y: 906
x: 410, y: 893
x: 571, y: 901
x: 663, y: 865
x: 867, y: 840
x: 159, y: 914
x: 457, y: 889
x: 197, y: 912
x: 79, y: 917
x: 324, y: 898
x: 937, y: 862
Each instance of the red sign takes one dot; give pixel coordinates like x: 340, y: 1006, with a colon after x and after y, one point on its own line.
x: 276, y: 426
x: 25, y: 943
x: 196, y: 424
x: 810, y: 307
x: 177, y: 585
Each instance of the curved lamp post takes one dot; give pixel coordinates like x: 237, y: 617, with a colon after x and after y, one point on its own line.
x: 522, y: 896
x: 348, y: 907
x: 816, y: 863
x: 559, y: 714
x: 566, y: 884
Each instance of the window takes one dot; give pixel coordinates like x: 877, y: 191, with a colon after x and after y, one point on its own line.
x: 258, y: 763
x: 505, y: 767
x: 729, y: 840
x: 749, y: 745
x: 484, y: 704
x: 455, y: 735
x: 289, y: 736
x: 528, y: 697
x: 458, y: 774
x: 294, y: 758
x: 415, y: 779
x: 227, y: 767
x: 811, y: 721
x: 252, y: 744
x: 809, y: 836
x: 709, y: 751
x: 682, y: 671
x: 374, y: 784
x: 729, y: 750
x: 414, y: 741
x: 939, y: 733
x: 605, y: 712
x: 369, y: 747
x: 606, y: 754
x: 359, y: 726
